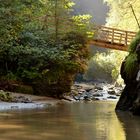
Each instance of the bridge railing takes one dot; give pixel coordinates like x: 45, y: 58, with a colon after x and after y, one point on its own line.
x: 113, y: 36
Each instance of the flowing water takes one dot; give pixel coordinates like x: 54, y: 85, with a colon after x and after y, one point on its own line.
x: 76, y: 121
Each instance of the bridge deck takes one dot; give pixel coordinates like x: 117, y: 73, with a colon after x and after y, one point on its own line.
x: 112, y: 38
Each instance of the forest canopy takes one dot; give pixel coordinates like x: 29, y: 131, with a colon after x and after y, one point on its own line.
x: 41, y: 44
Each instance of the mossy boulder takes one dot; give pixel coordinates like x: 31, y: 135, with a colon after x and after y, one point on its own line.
x: 130, y: 72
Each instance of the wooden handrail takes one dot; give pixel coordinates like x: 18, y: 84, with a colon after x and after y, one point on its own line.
x: 113, y: 35
x: 110, y: 28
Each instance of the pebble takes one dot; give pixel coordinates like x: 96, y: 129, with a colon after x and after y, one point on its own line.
x: 89, y: 92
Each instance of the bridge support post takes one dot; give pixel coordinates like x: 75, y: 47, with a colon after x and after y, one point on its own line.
x: 126, y: 35
x: 112, y: 41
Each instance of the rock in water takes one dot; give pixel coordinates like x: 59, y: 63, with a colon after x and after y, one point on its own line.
x: 112, y: 97
x: 111, y: 92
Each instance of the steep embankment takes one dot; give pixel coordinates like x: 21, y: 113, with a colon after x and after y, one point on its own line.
x: 130, y: 72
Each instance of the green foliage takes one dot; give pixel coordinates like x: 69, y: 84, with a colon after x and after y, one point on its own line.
x: 83, y: 24
x: 130, y: 64
x: 10, y: 76
x: 5, y: 96
x: 40, y: 42
x: 134, y: 43
x: 105, y: 66
x: 132, y: 58
x: 120, y: 14
x: 100, y: 67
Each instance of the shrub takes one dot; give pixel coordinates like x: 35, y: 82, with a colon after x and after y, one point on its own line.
x: 105, y: 66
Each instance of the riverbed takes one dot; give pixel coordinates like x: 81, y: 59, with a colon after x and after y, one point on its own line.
x: 70, y: 121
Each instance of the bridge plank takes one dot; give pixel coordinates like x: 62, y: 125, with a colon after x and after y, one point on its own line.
x: 112, y: 38
x: 109, y: 45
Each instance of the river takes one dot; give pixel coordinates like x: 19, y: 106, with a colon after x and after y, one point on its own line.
x: 70, y: 121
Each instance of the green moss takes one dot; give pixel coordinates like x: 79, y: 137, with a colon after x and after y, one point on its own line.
x: 130, y: 64
x: 134, y: 43
x: 5, y: 96
x: 131, y: 60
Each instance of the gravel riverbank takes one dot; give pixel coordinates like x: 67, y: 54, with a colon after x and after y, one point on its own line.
x: 94, y: 91
x: 24, y: 101
x: 79, y: 92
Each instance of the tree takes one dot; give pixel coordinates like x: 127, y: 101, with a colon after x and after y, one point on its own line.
x: 41, y: 45
x: 120, y: 14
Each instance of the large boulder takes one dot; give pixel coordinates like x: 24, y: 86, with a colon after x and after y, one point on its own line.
x: 130, y: 97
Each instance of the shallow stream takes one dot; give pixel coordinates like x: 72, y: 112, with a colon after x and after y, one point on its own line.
x: 76, y: 121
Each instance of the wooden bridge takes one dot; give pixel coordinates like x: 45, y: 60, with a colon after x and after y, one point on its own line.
x: 112, y: 38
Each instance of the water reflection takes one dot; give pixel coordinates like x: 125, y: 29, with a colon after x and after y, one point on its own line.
x: 78, y: 121
x: 131, y: 124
